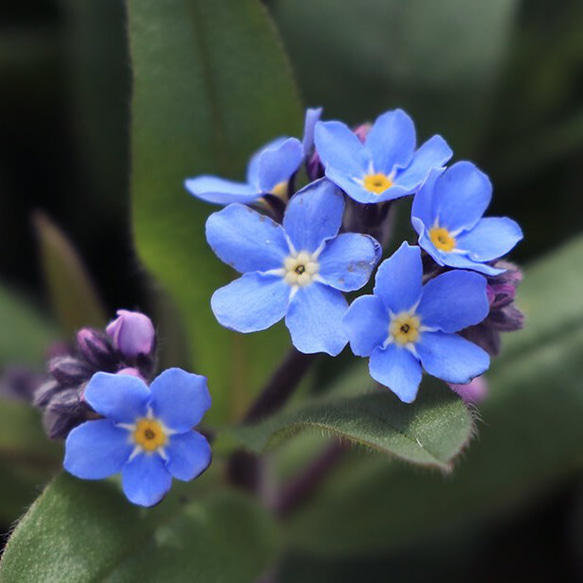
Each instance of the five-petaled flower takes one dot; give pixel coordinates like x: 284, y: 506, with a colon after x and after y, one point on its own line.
x: 297, y: 270
x: 405, y: 326
x: 146, y: 434
x: 386, y: 166
x: 447, y: 215
x: 268, y: 172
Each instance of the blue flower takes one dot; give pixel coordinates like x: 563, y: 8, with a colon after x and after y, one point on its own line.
x: 447, y: 215
x: 405, y: 326
x: 146, y: 433
x: 386, y: 166
x: 297, y: 270
x: 268, y: 172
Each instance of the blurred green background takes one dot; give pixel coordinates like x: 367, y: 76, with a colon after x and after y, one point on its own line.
x: 501, y: 80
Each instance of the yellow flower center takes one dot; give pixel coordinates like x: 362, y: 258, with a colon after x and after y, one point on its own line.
x: 149, y: 434
x: 404, y: 328
x: 300, y: 269
x: 280, y: 190
x: 442, y: 238
x: 377, y: 183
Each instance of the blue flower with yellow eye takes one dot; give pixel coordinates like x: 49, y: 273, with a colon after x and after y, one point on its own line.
x: 406, y: 326
x: 268, y: 172
x: 387, y: 165
x: 297, y: 270
x: 447, y: 215
x: 146, y: 434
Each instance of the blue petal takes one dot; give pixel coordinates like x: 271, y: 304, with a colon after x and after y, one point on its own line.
x: 276, y: 165
x: 189, y: 454
x: 433, y: 154
x: 462, y: 194
x: 96, y: 450
x: 145, y: 480
x: 450, y: 357
x: 398, y: 279
x: 422, y: 209
x: 490, y: 239
x: 180, y: 399
x: 313, y: 215
x: 397, y: 369
x: 253, y: 166
x: 314, y: 319
x: 221, y: 191
x: 453, y: 301
x: 246, y: 239
x: 251, y: 303
x: 391, y: 141
x: 121, y: 398
x: 367, y: 324
x: 340, y: 149
x: 346, y: 263
x: 312, y: 118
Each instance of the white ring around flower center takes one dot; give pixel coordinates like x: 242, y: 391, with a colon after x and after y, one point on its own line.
x: 301, y: 268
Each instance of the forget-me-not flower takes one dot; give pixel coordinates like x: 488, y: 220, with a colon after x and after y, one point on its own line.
x: 405, y: 326
x: 297, y: 270
x: 146, y: 434
x: 268, y: 172
x: 386, y: 166
x: 447, y: 215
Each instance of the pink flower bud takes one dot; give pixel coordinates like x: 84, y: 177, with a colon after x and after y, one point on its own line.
x: 132, y: 333
x: 473, y: 392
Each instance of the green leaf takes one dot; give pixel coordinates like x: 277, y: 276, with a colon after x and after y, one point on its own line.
x: 27, y: 457
x: 86, y: 531
x: 439, y: 60
x: 74, y: 298
x: 25, y: 333
x: 531, y: 436
x: 211, y: 85
x: 431, y: 431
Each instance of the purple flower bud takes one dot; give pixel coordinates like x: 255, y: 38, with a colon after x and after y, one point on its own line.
x: 45, y: 393
x: 96, y: 348
x: 132, y: 333
x: 20, y: 383
x: 362, y: 131
x: 473, y: 392
x: 69, y: 371
x: 134, y: 372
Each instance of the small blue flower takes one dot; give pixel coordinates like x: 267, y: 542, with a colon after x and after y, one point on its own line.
x: 146, y: 435
x: 297, y: 271
x: 405, y: 326
x: 386, y: 166
x: 268, y: 172
x: 447, y: 215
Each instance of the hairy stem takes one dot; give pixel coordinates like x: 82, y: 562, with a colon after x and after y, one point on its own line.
x: 305, y: 484
x: 244, y: 469
x: 280, y: 386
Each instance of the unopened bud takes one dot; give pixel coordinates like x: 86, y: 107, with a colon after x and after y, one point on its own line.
x: 474, y: 391
x: 132, y: 333
x: 69, y: 371
x: 97, y: 349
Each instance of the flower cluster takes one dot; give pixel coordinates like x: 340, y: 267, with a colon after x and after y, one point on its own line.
x: 101, y: 397
x: 438, y: 306
x: 127, y: 346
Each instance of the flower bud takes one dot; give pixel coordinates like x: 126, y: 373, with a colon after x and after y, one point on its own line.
x: 132, y: 333
x: 134, y: 372
x: 69, y: 371
x: 474, y: 391
x: 19, y: 383
x: 45, y: 393
x: 96, y: 348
